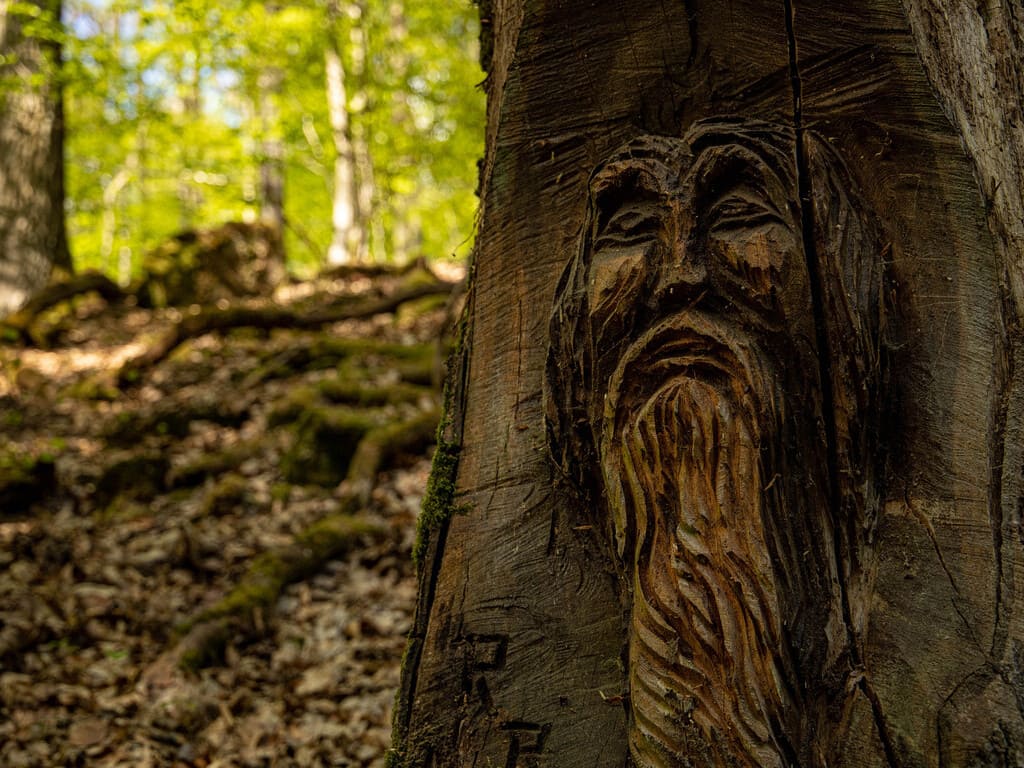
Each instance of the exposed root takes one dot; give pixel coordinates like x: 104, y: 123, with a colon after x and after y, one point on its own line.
x: 211, y: 319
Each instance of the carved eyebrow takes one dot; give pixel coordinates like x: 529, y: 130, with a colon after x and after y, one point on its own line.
x: 633, y: 221
x: 627, y: 198
x: 626, y: 177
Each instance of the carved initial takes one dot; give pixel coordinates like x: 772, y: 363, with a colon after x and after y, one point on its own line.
x: 711, y: 387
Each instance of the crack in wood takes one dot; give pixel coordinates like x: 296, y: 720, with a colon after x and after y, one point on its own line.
x: 825, y: 352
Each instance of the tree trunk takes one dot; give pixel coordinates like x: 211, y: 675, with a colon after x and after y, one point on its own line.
x: 271, y: 149
x: 190, y: 104
x: 32, y: 233
x: 345, y: 242
x: 732, y: 467
x: 366, y: 186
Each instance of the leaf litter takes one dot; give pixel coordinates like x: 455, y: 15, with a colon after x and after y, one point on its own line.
x: 146, y: 505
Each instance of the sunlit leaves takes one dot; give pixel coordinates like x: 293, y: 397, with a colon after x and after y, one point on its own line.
x: 170, y: 93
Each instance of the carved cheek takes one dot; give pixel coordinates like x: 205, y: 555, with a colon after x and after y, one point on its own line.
x: 759, y: 262
x: 616, y: 276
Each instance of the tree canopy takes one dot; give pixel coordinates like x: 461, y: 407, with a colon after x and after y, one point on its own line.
x: 174, y: 109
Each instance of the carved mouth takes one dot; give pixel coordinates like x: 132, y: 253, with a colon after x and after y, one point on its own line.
x: 688, y: 345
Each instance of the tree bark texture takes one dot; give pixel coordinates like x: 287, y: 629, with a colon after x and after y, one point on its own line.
x: 739, y: 408
x: 32, y: 232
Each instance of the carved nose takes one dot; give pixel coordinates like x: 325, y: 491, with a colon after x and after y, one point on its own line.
x: 684, y: 275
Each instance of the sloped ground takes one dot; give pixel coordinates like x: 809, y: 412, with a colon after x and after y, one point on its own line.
x: 136, y: 627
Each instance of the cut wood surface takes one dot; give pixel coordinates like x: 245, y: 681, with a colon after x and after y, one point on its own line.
x: 766, y: 193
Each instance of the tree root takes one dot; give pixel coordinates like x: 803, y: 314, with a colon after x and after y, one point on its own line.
x: 379, y: 447
x: 348, y: 271
x: 213, y: 319
x: 172, y: 418
x: 205, y: 635
x: 20, y: 323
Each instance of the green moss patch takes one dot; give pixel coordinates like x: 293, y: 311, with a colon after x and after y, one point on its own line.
x: 325, y: 440
x: 354, y: 356
x: 338, y: 390
x: 382, y: 445
x: 439, y: 500
x: 222, y: 497
x: 98, y: 387
x: 170, y: 419
x: 208, y: 632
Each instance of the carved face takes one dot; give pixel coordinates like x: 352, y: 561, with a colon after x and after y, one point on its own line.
x: 685, y: 384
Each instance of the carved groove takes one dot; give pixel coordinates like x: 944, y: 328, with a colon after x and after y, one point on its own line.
x: 685, y: 400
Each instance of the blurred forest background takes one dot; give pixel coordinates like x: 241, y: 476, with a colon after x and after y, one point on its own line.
x: 353, y: 123
x: 232, y: 246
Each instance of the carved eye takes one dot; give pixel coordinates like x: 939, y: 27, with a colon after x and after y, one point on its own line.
x: 630, y: 224
x: 742, y: 213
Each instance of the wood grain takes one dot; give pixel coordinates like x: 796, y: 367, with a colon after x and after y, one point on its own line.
x: 869, y: 617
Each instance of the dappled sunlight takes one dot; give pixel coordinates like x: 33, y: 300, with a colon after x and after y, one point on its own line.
x: 55, y: 365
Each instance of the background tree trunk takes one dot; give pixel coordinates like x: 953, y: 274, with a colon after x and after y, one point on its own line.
x: 271, y: 150
x: 347, y: 235
x: 32, y: 233
x: 879, y: 595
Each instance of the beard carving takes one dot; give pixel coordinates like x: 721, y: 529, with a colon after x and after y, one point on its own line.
x: 688, y: 399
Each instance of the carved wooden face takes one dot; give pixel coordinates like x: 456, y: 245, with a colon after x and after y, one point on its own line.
x: 685, y: 379
x: 669, y: 233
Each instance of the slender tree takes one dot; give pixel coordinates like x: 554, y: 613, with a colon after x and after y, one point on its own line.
x: 272, y: 191
x: 347, y: 234
x: 32, y: 231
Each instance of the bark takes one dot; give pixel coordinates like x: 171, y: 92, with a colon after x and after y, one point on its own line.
x: 32, y: 233
x: 747, y: 489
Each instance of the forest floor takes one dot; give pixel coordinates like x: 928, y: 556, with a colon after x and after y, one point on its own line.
x: 207, y: 562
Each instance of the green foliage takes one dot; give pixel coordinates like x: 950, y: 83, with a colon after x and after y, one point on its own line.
x: 170, y: 118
